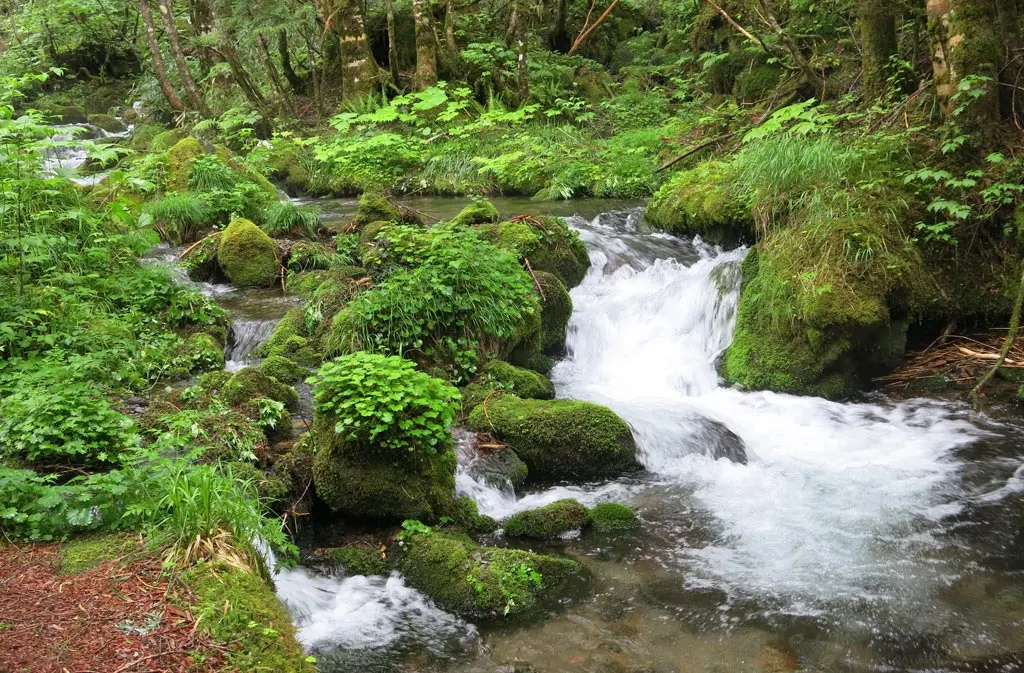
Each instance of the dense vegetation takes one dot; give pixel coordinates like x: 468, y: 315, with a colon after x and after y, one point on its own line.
x: 865, y: 150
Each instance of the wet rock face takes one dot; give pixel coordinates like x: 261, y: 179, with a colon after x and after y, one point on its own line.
x: 718, y: 441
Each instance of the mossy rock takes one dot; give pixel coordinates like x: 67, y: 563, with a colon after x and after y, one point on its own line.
x: 250, y: 383
x: 242, y: 613
x: 204, y: 352
x: 69, y: 114
x: 359, y: 560
x: 468, y: 518
x: 247, y: 255
x: 486, y: 582
x: 548, y: 522
x: 375, y: 207
x: 297, y: 466
x: 108, y: 123
x: 285, y: 164
x: 143, y: 136
x: 521, y: 382
x: 166, y: 140
x: 538, y: 362
x: 180, y: 158
x: 270, y: 487
x: 478, y: 212
x: 360, y: 484
x: 282, y: 369
x: 90, y: 551
x: 289, y: 340
x: 705, y: 202
x: 556, y: 309
x: 560, y: 439
x: 547, y: 242
x: 611, y: 517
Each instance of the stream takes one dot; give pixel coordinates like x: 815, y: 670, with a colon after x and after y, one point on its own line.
x: 868, y: 536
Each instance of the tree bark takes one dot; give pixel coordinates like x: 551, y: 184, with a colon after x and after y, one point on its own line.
x: 392, y: 42
x: 159, y: 69
x: 191, y: 91
x: 878, y: 42
x: 426, y: 44
x: 560, y: 40
x: 286, y: 63
x: 359, y: 72
x: 517, y: 36
x: 449, y: 32
x: 226, y: 41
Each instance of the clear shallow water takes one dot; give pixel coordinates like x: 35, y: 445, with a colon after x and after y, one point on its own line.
x: 871, y: 536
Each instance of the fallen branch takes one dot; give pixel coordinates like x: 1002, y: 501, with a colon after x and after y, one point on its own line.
x: 586, y: 32
x: 1011, y: 337
x: 526, y: 260
x: 696, y: 149
x: 184, y: 253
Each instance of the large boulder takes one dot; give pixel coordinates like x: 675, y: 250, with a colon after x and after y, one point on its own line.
x: 247, y: 255
x: 485, y: 582
x: 249, y: 383
x: 560, y: 439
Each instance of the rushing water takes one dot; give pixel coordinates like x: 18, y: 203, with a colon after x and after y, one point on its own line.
x: 871, y: 536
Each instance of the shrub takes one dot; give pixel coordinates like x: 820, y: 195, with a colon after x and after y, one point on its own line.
x: 182, y: 217
x: 383, y: 401
x: 70, y: 423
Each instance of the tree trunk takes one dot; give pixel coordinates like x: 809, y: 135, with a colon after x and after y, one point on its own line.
x: 286, y: 63
x: 392, y: 42
x: 191, y: 91
x: 449, y: 31
x: 426, y: 44
x: 226, y: 41
x: 359, y: 72
x: 159, y: 69
x: 560, y: 39
x: 878, y: 42
x: 275, y: 79
x: 517, y: 37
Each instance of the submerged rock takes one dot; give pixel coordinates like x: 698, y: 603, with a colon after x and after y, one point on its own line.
x: 247, y: 255
x: 485, y: 582
x: 718, y: 441
x: 560, y: 439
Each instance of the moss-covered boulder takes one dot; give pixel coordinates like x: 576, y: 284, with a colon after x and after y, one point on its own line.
x: 246, y: 255
x: 281, y: 368
x: 485, y: 582
x: 69, y: 114
x: 250, y: 383
x: 556, y: 309
x: 108, y: 123
x: 478, y: 212
x: 548, y: 522
x: 524, y: 383
x: 356, y: 559
x: 611, y: 517
x: 204, y: 352
x: 560, y: 439
x: 179, y: 162
x: 547, y: 242
x: 703, y: 201
x: 166, y: 140
x: 817, y: 315
x: 375, y: 207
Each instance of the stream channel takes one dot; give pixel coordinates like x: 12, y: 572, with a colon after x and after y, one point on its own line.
x: 871, y: 536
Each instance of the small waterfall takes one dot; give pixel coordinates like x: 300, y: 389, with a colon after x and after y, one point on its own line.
x: 67, y: 155
x: 244, y: 338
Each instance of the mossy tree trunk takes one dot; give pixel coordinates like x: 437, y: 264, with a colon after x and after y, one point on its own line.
x: 359, y: 72
x: 879, y: 43
x: 426, y: 44
x: 389, y: 8
x: 159, y: 69
x: 517, y: 28
x: 171, y: 27
x: 450, y: 45
x: 296, y: 83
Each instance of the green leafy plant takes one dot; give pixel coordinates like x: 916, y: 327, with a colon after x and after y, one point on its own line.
x: 385, y: 404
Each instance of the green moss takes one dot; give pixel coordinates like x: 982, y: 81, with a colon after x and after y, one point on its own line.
x: 547, y: 242
x: 241, y: 612
x: 179, y: 163
x: 363, y: 485
x: 271, y: 488
x: 485, y: 582
x: 357, y: 560
x: 703, y: 201
x: 375, y: 207
x: 249, y: 383
x: 204, y: 353
x: 143, y: 135
x: 282, y: 369
x: 548, y: 522
x: 166, y: 140
x: 539, y: 363
x: 478, y: 212
x: 69, y: 114
x: 89, y: 551
x: 560, y: 439
x: 521, y: 382
x: 247, y: 255
x: 755, y: 82
x: 608, y: 517
x: 293, y: 324
x: 108, y: 123
x: 467, y: 517
x: 556, y: 309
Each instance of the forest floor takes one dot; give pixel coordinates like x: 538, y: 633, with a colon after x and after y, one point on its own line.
x: 82, y: 609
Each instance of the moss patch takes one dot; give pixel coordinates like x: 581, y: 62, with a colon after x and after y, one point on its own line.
x: 108, y: 123
x: 547, y: 242
x: 479, y: 212
x: 548, y: 522
x: 247, y: 255
x: 282, y: 369
x: 250, y: 383
x: 242, y: 613
x: 703, y: 201
x: 89, y: 551
x: 520, y: 382
x: 556, y: 309
x: 204, y: 352
x: 359, y: 560
x: 560, y: 439
x: 609, y: 517
x: 166, y: 140
x: 375, y: 207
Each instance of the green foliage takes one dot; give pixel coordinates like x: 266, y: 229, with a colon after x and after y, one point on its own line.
x: 65, y: 424
x: 524, y: 383
x: 445, y: 296
x: 288, y: 219
x: 208, y: 173
x: 383, y: 403
x: 181, y: 217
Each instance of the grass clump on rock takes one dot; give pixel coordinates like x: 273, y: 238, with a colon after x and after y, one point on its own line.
x: 247, y: 255
x: 250, y: 383
x: 560, y: 439
x: 704, y: 201
x: 383, y: 446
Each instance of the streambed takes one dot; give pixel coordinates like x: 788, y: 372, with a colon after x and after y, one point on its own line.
x: 868, y: 536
